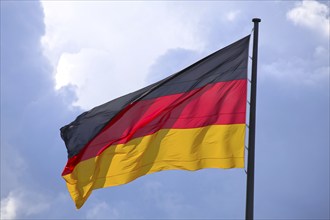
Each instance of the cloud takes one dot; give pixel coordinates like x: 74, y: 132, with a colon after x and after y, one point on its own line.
x: 232, y: 15
x: 311, y: 14
x: 8, y: 208
x: 11, y: 171
x: 109, y: 41
x: 170, y: 203
x: 309, y: 69
x: 23, y: 203
x: 102, y: 210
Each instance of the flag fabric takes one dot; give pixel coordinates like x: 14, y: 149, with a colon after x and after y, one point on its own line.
x: 191, y: 120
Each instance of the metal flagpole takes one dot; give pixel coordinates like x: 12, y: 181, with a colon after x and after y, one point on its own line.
x: 252, y: 126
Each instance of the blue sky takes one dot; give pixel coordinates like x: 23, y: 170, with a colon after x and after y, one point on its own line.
x: 60, y: 58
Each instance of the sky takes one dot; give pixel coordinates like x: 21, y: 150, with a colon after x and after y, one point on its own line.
x: 61, y: 58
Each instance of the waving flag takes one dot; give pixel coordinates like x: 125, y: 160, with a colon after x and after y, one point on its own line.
x: 191, y: 120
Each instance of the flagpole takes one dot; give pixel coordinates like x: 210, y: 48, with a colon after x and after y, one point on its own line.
x: 252, y: 125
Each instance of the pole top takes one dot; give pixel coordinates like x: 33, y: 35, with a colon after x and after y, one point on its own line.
x: 256, y: 20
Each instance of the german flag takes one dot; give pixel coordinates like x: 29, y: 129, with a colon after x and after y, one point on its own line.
x: 190, y: 120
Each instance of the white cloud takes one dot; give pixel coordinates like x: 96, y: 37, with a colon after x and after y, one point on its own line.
x: 102, y: 211
x: 232, y: 15
x: 311, y: 14
x: 321, y: 54
x: 171, y: 203
x: 10, y: 172
x: 297, y: 71
x: 92, y: 45
x: 22, y: 203
x: 18, y: 199
x: 8, y: 208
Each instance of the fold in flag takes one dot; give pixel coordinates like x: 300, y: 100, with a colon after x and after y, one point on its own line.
x: 191, y: 120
